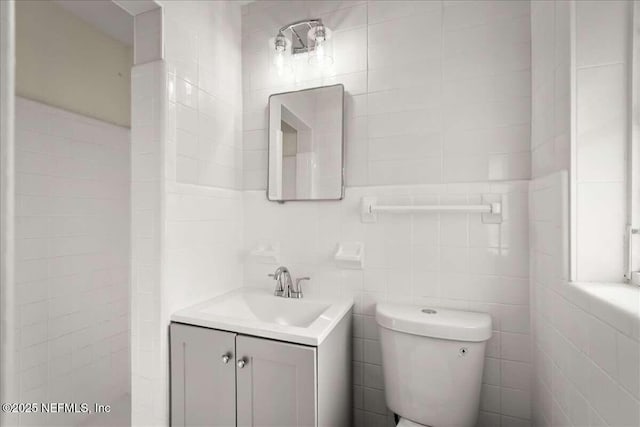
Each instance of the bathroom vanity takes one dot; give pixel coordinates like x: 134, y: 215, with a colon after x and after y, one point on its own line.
x: 248, y: 358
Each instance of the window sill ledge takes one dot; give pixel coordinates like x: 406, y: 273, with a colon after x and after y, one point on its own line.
x: 618, y: 304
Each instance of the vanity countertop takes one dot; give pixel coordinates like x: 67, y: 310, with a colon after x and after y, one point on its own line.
x: 259, y: 313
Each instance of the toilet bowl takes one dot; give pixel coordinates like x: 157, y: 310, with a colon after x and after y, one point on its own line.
x: 432, y: 362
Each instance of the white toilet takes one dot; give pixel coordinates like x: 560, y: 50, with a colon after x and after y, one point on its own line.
x: 432, y: 361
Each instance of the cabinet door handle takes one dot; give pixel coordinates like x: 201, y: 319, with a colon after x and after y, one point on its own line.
x: 242, y: 362
x: 226, y: 357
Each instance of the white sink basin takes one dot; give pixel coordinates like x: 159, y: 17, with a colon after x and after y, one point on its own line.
x: 267, y: 308
x: 257, y: 312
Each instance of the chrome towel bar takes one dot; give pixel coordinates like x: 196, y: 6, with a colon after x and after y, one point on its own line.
x: 492, y: 211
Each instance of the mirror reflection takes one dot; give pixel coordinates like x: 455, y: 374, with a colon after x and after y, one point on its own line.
x: 306, y: 145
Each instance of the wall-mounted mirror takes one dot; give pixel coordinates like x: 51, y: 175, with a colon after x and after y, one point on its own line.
x: 306, y: 145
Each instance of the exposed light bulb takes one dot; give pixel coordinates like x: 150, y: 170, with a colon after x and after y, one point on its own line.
x: 320, y: 52
x: 278, y: 59
x: 320, y: 38
x: 321, y: 55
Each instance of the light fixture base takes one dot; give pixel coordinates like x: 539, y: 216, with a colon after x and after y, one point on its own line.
x: 298, y: 35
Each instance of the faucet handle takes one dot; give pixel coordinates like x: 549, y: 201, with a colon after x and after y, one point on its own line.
x: 280, y: 291
x: 297, y: 292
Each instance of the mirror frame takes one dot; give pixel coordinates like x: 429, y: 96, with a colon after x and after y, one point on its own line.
x: 342, y: 150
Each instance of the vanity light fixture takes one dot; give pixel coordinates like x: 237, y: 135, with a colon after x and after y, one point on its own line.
x: 308, y: 38
x: 280, y: 55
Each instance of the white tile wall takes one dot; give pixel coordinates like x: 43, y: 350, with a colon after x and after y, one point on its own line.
x: 583, y: 355
x: 436, y: 92
x: 635, y: 151
x: 603, y: 39
x: 551, y: 87
x: 586, y: 364
x: 203, y: 159
x: 187, y: 215
x: 203, y: 241
x: 8, y: 345
x: 149, y: 385
x: 451, y: 260
x: 72, y: 259
x: 202, y: 50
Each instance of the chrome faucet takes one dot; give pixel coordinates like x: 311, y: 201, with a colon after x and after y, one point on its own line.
x: 284, y: 286
x: 283, y: 279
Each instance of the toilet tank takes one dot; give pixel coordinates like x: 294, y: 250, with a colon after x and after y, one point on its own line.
x: 432, y: 360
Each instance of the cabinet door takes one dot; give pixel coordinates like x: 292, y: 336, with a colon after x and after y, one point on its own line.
x: 277, y: 385
x: 203, y: 386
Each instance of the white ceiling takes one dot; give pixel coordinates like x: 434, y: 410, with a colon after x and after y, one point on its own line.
x: 104, y: 15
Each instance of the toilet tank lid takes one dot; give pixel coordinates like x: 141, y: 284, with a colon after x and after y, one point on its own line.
x: 435, y: 322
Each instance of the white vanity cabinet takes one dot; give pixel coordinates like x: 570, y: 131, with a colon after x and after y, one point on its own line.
x: 265, y: 382
x: 202, y: 384
x: 277, y: 385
